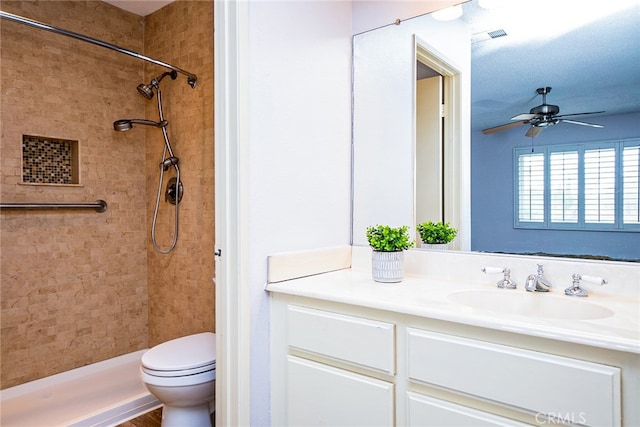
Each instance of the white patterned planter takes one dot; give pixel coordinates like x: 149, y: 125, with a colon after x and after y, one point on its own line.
x: 387, y: 267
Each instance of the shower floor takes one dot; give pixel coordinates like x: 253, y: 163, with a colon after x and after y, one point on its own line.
x: 101, y: 394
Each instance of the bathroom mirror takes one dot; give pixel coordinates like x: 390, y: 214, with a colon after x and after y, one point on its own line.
x: 385, y: 152
x: 592, y: 74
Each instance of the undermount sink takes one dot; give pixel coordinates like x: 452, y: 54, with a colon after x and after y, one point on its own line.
x: 530, y: 304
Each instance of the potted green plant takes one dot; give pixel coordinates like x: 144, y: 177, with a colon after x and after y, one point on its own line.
x: 388, y: 245
x: 436, y: 235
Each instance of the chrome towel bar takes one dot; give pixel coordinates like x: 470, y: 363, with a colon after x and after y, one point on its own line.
x: 98, y: 205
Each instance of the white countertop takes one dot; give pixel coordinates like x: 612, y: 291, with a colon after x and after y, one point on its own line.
x: 430, y: 298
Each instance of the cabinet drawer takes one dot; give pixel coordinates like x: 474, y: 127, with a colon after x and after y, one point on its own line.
x: 429, y: 411
x: 543, y: 384
x: 321, y: 395
x: 351, y: 339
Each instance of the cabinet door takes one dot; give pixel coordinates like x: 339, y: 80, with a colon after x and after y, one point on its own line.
x: 355, y: 340
x: 321, y: 395
x: 429, y: 411
x: 542, y: 384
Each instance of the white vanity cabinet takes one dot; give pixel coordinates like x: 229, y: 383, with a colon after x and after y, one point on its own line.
x: 331, y: 361
x: 337, y: 364
x: 322, y: 395
x: 425, y: 410
x: 548, y: 386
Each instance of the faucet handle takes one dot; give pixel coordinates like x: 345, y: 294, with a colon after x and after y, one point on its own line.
x: 493, y: 270
x: 505, y: 282
x: 594, y: 279
x: 576, y: 291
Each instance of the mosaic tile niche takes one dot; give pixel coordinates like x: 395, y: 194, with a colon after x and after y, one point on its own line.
x: 49, y: 160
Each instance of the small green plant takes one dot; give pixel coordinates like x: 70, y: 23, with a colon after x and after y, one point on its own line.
x: 389, y: 239
x: 436, y: 232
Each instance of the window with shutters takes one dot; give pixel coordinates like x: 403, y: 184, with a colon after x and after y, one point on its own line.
x: 593, y: 186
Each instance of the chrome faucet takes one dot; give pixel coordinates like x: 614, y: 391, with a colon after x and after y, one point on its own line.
x: 505, y: 282
x: 537, y: 282
x: 575, y: 290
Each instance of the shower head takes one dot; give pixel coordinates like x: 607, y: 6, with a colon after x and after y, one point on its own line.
x: 126, y: 124
x: 147, y: 90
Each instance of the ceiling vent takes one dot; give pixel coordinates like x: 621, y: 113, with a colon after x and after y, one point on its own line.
x: 497, y: 33
x: 487, y: 35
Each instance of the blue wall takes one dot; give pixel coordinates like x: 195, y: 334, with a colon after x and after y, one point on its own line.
x: 492, y: 193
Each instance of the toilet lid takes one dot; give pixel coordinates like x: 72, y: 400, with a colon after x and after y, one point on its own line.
x: 192, y: 351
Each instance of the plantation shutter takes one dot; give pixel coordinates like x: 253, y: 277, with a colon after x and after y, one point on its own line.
x: 563, y: 180
x: 599, y: 186
x: 531, y: 187
x: 630, y: 185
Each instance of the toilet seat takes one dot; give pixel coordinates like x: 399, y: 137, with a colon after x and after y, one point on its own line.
x: 177, y: 380
x: 188, y: 355
x: 179, y: 373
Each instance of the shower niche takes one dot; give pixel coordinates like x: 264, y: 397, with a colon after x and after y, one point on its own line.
x: 49, y: 161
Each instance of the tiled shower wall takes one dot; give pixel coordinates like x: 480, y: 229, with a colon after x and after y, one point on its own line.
x: 181, y: 293
x: 75, y: 287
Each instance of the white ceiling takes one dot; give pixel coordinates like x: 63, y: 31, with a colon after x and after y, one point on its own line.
x: 587, y: 51
x: 139, y: 7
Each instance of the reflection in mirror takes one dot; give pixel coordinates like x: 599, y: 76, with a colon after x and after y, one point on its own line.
x: 596, y: 73
x: 587, y: 54
x: 384, y: 126
x: 437, y: 139
x: 429, y: 145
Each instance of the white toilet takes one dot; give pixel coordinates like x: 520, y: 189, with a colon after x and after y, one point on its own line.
x: 181, y: 373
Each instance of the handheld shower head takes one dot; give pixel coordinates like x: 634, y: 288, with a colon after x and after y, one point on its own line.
x: 126, y: 124
x: 147, y: 90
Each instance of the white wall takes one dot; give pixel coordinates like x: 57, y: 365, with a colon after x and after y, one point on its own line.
x: 370, y: 14
x: 299, y: 165
x: 293, y: 183
x: 283, y: 167
x: 384, y: 121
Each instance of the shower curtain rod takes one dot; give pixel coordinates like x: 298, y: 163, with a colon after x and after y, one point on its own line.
x: 98, y: 205
x: 191, y: 78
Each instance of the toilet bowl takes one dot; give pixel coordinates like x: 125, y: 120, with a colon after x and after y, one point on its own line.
x: 181, y: 373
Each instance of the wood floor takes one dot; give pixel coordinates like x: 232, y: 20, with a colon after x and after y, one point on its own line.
x: 152, y: 419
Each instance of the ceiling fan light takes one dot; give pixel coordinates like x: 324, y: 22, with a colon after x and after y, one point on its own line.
x: 448, y: 14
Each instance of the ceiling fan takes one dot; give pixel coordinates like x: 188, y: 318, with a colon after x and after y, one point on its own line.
x: 540, y: 117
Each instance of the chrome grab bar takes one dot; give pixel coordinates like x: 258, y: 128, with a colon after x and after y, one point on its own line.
x: 98, y: 205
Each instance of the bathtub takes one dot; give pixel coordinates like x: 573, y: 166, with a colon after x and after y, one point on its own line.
x: 106, y: 393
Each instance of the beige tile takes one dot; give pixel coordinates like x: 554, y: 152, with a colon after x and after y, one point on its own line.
x: 85, y: 286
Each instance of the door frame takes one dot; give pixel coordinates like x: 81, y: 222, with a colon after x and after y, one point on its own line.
x: 232, y: 302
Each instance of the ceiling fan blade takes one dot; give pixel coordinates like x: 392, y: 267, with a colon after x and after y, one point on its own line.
x: 534, y: 131
x: 502, y: 127
x: 525, y: 116
x: 575, y: 122
x: 580, y: 114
